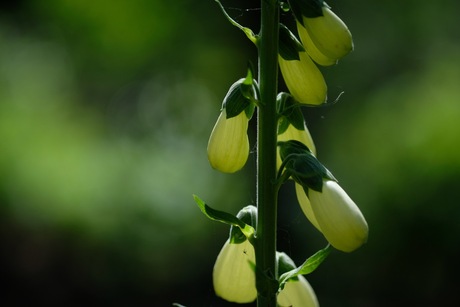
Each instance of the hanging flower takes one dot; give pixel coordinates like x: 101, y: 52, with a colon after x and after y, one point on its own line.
x: 338, y: 217
x: 328, y: 33
x: 228, y: 146
x: 304, y: 80
x: 298, y: 293
x: 233, y: 278
x: 326, y: 205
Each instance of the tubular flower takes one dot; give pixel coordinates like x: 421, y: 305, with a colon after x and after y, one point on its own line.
x: 304, y: 80
x: 298, y: 293
x: 338, y: 217
x: 233, y: 278
x: 292, y: 133
x: 228, y: 146
x: 329, y: 34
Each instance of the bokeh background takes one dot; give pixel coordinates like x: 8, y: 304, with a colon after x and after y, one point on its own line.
x: 105, y: 112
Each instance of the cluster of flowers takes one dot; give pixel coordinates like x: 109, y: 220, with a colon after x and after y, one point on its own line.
x: 324, y: 39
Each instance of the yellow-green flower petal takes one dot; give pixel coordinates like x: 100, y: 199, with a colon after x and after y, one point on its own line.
x: 304, y: 80
x: 338, y: 217
x: 228, y: 146
x: 233, y: 278
x: 292, y: 133
x: 330, y: 34
x: 298, y: 293
x: 312, y: 50
x: 305, y: 205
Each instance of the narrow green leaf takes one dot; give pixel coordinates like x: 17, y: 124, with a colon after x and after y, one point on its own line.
x: 249, y: 33
x: 223, y: 217
x: 311, y: 264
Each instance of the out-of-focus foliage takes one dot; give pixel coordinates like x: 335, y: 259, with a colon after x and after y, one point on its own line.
x: 105, y: 113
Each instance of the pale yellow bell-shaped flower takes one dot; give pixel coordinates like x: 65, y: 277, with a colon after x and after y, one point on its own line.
x: 233, y: 278
x: 305, y: 205
x: 228, y: 146
x: 292, y: 133
x: 338, y: 217
x: 313, y: 51
x: 304, y: 80
x: 329, y: 34
x: 297, y: 293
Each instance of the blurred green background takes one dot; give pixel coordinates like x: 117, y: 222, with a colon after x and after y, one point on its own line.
x: 105, y: 112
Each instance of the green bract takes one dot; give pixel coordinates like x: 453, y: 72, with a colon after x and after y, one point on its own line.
x: 227, y: 218
x: 307, y: 267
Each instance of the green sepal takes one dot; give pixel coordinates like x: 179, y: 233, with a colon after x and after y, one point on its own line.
x: 285, y: 264
x: 289, y: 108
x: 302, y: 165
x: 241, y: 96
x: 224, y: 217
x: 305, y: 170
x: 307, y: 8
x: 311, y: 264
x: 235, y: 102
x: 289, y: 45
x: 247, y: 215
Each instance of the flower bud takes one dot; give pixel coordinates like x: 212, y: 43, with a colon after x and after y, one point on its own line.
x: 329, y: 34
x: 304, y: 80
x: 298, y: 293
x: 228, y: 146
x: 338, y: 217
x: 233, y: 278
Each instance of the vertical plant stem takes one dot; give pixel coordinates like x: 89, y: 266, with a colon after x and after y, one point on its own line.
x: 267, y: 192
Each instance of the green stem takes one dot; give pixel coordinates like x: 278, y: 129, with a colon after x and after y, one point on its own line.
x: 267, y: 192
